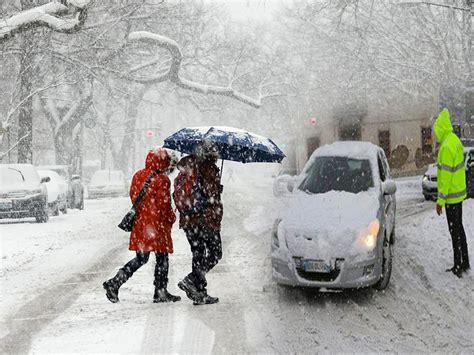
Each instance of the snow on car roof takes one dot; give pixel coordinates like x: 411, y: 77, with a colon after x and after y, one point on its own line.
x: 351, y: 149
x: 51, y: 174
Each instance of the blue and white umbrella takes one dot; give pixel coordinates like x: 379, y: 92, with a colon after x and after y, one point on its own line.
x: 232, y: 143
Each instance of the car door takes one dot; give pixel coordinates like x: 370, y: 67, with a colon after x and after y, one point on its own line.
x: 389, y: 200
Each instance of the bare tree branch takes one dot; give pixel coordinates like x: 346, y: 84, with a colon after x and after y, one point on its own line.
x: 54, y: 15
x: 172, y: 74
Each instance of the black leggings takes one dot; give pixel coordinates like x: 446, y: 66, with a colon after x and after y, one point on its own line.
x: 458, y: 236
x: 161, y: 267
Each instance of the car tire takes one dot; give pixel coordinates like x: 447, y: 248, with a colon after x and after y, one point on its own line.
x: 55, y: 209
x: 427, y: 198
x: 64, y: 210
x: 387, y: 261
x: 42, y: 215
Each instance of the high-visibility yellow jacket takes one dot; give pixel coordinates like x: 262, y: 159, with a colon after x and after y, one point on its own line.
x: 451, y: 170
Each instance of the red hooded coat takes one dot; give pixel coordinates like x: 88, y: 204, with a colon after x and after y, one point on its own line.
x: 152, y: 228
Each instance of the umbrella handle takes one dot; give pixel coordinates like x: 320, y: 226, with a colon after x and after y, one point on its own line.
x: 222, y: 169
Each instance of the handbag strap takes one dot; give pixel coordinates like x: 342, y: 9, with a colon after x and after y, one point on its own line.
x: 143, y: 190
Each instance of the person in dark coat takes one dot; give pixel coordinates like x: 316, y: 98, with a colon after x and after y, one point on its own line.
x: 202, y: 227
x: 152, y: 228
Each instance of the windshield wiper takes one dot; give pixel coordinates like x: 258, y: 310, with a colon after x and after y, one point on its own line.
x: 18, y: 171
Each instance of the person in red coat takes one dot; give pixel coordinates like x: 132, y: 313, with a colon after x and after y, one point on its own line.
x: 152, y: 228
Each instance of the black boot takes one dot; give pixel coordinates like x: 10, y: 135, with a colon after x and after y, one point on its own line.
x: 456, y: 271
x: 162, y: 295
x: 188, y: 286
x: 203, y: 298
x: 112, y: 286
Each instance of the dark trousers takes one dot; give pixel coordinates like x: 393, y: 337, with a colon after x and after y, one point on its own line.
x: 206, y: 247
x: 458, y: 236
x: 161, y: 267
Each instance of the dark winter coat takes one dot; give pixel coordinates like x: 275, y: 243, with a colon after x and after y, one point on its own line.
x: 152, y: 228
x: 208, y: 172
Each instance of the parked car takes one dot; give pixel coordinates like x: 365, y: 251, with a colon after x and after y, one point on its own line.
x: 107, y: 183
x: 77, y: 193
x: 63, y: 171
x: 470, y: 172
x: 22, y: 192
x: 338, y: 227
x: 429, y: 183
x: 57, y: 191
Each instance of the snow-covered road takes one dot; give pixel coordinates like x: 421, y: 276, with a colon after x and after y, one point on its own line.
x: 52, y: 299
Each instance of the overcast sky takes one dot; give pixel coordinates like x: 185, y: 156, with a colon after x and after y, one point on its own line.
x: 255, y: 10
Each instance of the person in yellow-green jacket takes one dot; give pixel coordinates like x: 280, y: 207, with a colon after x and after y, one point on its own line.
x: 452, y: 188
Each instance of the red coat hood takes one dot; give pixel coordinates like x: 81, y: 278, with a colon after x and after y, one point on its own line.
x: 158, y: 159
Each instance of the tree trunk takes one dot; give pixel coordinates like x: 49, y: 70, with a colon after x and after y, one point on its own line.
x: 62, y: 146
x: 25, y: 118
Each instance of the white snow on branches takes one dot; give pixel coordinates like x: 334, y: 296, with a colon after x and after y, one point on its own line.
x: 48, y: 15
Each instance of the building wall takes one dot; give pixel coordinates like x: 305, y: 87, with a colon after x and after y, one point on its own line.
x: 404, y: 123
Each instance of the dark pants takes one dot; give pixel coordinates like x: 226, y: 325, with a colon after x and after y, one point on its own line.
x: 161, y: 267
x: 206, y: 247
x: 458, y: 236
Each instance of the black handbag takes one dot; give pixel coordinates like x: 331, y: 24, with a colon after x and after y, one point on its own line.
x: 129, y: 219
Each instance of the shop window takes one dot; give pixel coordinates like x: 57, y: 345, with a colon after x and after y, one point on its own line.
x: 351, y: 132
x: 312, y: 144
x: 426, y: 141
x: 384, y: 142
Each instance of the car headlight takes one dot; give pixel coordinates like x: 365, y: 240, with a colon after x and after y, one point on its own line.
x: 275, y: 240
x: 368, y: 237
x: 425, y: 178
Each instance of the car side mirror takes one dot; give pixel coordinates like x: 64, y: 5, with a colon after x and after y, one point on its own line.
x: 389, y: 187
x: 45, y: 179
x: 290, y: 185
x: 283, y: 185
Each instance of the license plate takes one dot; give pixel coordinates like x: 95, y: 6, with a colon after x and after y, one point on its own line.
x: 316, y: 266
x: 6, y: 205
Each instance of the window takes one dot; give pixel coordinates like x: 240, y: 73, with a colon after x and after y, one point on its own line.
x: 339, y: 174
x: 312, y: 144
x: 384, y: 142
x: 351, y: 132
x: 426, y: 141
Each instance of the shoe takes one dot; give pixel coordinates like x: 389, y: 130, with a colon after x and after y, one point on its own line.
x: 112, y: 286
x: 162, y: 295
x: 204, y: 298
x: 111, y: 290
x: 190, y: 288
x: 456, y: 271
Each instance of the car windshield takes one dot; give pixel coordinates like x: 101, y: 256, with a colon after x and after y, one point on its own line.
x: 339, y: 174
x: 15, y: 176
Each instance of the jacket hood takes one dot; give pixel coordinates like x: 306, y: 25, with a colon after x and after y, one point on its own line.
x: 187, y: 164
x: 443, y: 126
x: 158, y: 159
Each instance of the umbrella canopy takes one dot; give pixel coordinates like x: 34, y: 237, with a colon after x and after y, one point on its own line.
x: 232, y: 143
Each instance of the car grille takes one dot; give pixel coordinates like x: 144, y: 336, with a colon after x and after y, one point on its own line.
x: 15, y: 194
x: 433, y: 178
x: 318, y: 276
